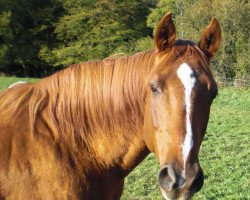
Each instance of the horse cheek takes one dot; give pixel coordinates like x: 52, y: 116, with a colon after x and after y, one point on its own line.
x: 149, y: 130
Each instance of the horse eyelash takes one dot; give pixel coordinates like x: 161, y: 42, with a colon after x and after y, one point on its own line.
x: 155, y: 90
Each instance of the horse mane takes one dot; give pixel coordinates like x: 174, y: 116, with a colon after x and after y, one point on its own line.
x: 104, y: 96
x: 86, y: 98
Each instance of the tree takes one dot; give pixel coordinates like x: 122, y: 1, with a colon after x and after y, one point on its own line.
x: 39, y: 35
x: 5, y: 32
x: 93, y: 29
x: 26, y: 27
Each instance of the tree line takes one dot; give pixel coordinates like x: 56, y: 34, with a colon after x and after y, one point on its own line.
x: 38, y: 37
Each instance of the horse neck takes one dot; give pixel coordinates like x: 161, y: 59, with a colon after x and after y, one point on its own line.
x: 119, y: 143
x: 102, y: 102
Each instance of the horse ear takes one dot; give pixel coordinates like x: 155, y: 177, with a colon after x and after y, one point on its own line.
x: 165, y: 33
x: 211, y: 39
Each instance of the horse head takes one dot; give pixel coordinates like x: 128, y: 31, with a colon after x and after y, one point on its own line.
x: 180, y: 91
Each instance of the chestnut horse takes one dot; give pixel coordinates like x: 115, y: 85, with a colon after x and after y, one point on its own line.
x: 78, y: 133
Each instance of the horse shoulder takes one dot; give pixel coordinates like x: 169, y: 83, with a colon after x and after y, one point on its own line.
x: 34, y: 167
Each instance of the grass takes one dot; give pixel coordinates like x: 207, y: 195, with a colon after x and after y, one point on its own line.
x: 5, y: 82
x: 224, y: 156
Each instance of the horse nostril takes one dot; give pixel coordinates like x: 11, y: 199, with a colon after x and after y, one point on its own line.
x: 181, y: 182
x: 167, y: 178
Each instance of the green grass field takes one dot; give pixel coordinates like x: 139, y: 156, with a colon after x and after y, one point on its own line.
x: 7, y: 81
x: 224, y: 156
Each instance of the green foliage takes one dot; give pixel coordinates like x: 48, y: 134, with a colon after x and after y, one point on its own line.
x: 5, y: 32
x: 224, y: 155
x: 163, y: 7
x: 28, y: 26
x: 39, y: 35
x: 94, y: 29
x: 134, y: 46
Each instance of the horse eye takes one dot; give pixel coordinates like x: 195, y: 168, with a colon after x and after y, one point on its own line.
x: 155, y: 91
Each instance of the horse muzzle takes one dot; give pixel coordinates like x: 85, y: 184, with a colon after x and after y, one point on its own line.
x: 174, y: 186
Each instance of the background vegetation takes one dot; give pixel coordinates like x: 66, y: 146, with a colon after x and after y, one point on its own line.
x: 38, y: 37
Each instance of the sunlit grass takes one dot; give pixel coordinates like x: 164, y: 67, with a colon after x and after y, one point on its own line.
x: 5, y: 82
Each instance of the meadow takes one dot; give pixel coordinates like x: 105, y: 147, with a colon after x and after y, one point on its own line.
x: 5, y: 82
x: 224, y: 156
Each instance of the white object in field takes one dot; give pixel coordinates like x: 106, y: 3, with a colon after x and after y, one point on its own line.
x: 17, y: 83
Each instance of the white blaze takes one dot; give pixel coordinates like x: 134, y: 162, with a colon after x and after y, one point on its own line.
x: 186, y: 75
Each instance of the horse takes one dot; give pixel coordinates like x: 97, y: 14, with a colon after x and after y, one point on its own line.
x: 79, y: 132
